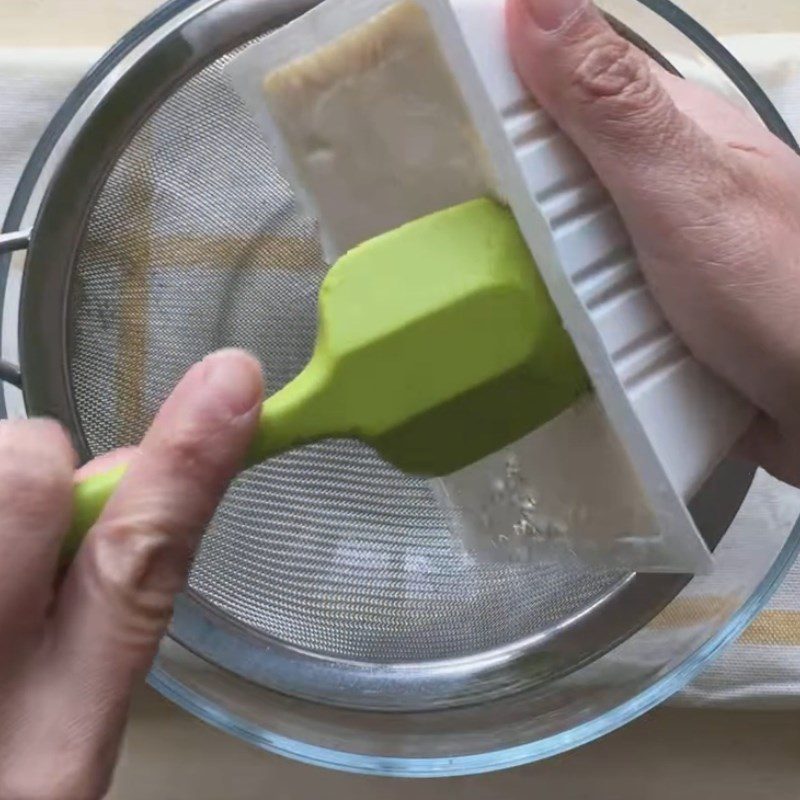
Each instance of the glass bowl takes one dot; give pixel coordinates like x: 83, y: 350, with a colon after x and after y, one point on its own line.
x: 698, y: 617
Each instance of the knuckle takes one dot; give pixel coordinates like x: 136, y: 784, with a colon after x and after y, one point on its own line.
x: 137, y: 569
x: 613, y: 72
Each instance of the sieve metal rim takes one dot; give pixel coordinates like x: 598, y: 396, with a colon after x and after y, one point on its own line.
x: 46, y: 380
x: 123, y: 89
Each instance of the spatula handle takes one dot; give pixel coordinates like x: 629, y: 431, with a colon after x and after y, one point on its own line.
x: 89, y: 499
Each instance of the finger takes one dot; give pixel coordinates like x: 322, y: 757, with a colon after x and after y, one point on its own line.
x: 118, y: 595
x: 36, y: 466
x: 602, y: 90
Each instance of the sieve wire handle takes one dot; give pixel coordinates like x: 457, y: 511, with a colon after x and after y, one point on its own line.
x: 298, y: 414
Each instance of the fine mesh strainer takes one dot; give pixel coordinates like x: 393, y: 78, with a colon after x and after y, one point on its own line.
x: 157, y: 229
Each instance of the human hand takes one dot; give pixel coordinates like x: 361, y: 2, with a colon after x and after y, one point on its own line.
x: 710, y: 198
x: 72, y: 653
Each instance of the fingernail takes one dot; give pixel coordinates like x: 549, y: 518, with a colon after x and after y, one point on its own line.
x: 234, y: 378
x: 552, y: 15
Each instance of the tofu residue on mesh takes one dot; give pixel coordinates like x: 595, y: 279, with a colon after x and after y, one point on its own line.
x: 565, y: 492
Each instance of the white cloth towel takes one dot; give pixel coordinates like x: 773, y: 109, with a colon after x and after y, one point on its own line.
x: 33, y: 84
x: 763, y: 668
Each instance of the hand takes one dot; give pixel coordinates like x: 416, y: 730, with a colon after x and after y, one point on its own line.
x: 710, y: 198
x: 73, y: 653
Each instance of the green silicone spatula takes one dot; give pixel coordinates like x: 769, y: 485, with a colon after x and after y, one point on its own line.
x: 438, y: 344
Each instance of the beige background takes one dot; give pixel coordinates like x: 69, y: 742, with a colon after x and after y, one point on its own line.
x: 669, y: 754
x: 672, y: 754
x: 86, y: 22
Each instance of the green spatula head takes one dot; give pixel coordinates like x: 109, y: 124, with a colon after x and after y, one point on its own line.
x: 438, y: 344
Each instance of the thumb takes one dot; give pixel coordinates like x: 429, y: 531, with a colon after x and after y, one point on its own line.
x: 117, y: 598
x: 603, y: 91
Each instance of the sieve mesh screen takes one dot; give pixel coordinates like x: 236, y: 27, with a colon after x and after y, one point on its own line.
x: 196, y: 243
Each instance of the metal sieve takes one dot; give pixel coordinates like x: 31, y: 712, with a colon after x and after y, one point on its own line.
x: 156, y: 229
